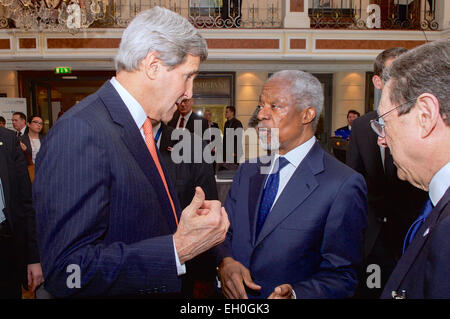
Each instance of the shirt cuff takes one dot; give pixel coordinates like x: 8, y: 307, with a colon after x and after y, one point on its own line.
x: 181, y: 268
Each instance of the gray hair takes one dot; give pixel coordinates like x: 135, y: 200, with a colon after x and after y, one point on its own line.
x: 163, y: 31
x: 425, y: 69
x: 306, y: 89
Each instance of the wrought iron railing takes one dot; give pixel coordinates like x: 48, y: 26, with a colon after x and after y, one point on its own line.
x: 373, y: 14
x: 73, y: 15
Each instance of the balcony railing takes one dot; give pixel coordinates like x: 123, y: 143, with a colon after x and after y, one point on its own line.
x: 371, y: 14
x: 68, y: 15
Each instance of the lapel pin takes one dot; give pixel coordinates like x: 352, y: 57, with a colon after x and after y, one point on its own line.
x: 426, y: 232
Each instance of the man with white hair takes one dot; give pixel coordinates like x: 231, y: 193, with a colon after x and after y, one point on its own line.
x: 108, y: 217
x: 414, y: 122
x: 296, y: 232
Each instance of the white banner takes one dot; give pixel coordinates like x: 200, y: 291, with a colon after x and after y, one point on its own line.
x: 10, y: 105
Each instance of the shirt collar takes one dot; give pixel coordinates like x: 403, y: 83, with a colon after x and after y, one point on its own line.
x: 137, y: 112
x: 296, y: 155
x: 439, y: 184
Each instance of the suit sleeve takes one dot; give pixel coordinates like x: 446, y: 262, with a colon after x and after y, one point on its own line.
x: 341, y: 247
x: 23, y: 179
x: 72, y: 198
x: 437, y: 270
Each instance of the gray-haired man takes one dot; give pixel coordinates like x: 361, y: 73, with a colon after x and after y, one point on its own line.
x: 108, y: 216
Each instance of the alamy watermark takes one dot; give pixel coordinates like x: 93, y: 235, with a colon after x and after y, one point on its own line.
x: 232, y: 148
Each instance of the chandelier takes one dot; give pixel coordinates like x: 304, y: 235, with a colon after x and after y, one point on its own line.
x: 55, y: 15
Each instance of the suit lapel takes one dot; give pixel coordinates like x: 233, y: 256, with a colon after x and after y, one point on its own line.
x: 413, y: 250
x: 300, y: 186
x: 255, y: 190
x: 133, y: 140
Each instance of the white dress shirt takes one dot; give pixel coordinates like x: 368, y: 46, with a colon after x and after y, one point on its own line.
x: 295, y: 157
x: 439, y: 184
x: 139, y: 116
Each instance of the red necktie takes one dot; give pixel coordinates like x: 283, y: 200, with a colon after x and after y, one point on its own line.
x: 181, y: 122
x: 149, y: 140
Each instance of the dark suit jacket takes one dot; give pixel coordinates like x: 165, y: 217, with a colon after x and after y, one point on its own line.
x: 190, y: 123
x: 424, y: 269
x: 18, y: 209
x: 234, y: 123
x: 312, y: 238
x: 214, y: 124
x: 101, y: 204
x: 26, y: 140
x: 186, y: 176
x: 390, y: 199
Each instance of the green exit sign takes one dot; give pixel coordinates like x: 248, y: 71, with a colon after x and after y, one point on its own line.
x: 63, y: 70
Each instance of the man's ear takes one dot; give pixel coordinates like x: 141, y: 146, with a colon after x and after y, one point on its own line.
x: 427, y: 113
x: 150, y: 65
x: 309, y: 115
x: 377, y: 82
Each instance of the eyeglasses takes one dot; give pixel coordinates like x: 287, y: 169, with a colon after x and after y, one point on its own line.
x: 378, y: 124
x: 37, y: 122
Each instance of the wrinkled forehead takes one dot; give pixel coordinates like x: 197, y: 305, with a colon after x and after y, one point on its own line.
x: 273, y: 90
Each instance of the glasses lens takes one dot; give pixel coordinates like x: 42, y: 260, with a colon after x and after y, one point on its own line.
x: 377, y: 128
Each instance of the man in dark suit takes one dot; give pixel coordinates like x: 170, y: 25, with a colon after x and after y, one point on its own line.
x: 232, y: 140
x: 391, y: 200
x: 414, y: 122
x: 19, y: 257
x: 19, y: 122
x: 184, y: 117
x: 297, y: 232
x: 108, y: 216
x: 186, y: 175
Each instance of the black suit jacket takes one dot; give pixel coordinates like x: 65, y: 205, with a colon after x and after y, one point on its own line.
x: 18, y: 204
x: 424, y: 269
x: 190, y: 123
x: 185, y: 177
x: 393, y: 204
x: 234, y: 123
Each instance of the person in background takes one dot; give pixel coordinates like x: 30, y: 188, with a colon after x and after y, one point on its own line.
x: 2, y: 121
x: 19, y: 255
x: 230, y: 137
x: 19, y: 122
x: 296, y: 232
x: 345, y: 131
x: 185, y: 118
x: 414, y: 122
x: 30, y: 142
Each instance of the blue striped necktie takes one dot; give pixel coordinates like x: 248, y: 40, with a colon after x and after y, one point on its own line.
x: 270, y: 192
x: 426, y: 210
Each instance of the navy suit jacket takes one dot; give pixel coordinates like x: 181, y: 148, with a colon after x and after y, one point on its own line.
x: 101, y: 204
x: 424, y: 269
x: 312, y: 238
